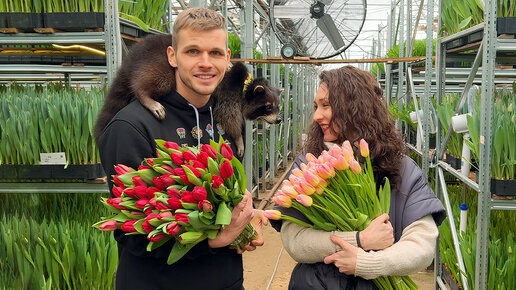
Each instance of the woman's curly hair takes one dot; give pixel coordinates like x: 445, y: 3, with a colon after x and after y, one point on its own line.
x: 359, y: 110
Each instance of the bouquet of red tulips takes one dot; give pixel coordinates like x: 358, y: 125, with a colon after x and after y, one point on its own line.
x: 186, y: 194
x: 335, y: 193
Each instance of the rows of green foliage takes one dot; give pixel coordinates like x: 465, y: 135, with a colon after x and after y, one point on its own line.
x: 48, y: 243
x: 45, y: 119
x: 502, y: 243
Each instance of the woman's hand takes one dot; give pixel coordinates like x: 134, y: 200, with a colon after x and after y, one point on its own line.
x: 346, y: 258
x: 378, y: 235
x: 257, y: 222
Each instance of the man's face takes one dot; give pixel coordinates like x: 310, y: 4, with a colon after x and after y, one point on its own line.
x: 201, y: 60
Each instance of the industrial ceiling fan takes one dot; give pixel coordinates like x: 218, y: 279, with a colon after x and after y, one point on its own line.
x: 318, y: 29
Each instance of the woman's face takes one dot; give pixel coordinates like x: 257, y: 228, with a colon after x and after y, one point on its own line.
x: 323, y: 113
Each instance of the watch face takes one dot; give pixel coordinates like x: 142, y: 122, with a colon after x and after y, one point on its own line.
x: 287, y: 51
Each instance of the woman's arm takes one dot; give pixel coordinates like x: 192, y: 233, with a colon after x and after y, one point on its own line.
x: 413, y: 252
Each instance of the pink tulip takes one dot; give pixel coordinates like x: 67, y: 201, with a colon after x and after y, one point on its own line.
x: 306, y: 188
x: 272, y: 214
x: 173, y: 228
x: 348, y: 146
x: 123, y: 169
x: 210, y: 150
x: 340, y: 163
x: 323, y: 183
x: 364, y: 148
x: 108, y: 226
x: 303, y: 167
x: 304, y: 200
x: 325, y: 171
x: 226, y: 170
x: 290, y: 191
x: 297, y: 172
x: 286, y: 182
x: 311, y: 178
x: 157, y: 238
x: 128, y: 226
x: 171, y: 145
x: 282, y: 200
x: 226, y: 151
x: 347, y: 154
x: 319, y: 190
x: 310, y: 157
x: 355, y: 166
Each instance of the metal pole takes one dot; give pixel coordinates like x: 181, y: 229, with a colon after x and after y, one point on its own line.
x: 112, y: 39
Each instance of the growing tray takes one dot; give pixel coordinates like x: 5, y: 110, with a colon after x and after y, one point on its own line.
x: 504, y: 25
x: 80, y: 171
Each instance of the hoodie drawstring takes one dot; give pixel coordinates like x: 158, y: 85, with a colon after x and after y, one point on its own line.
x: 198, y: 126
x: 212, y: 133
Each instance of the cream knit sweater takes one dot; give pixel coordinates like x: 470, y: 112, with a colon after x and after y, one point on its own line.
x: 413, y: 252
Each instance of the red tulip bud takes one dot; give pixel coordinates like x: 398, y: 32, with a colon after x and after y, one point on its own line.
x: 158, y: 182
x: 203, y: 158
x: 167, y: 168
x: 168, y: 180
x: 140, y: 191
x: 226, y: 151
x: 174, y: 203
x: 182, y: 217
x: 108, y: 226
x: 137, y: 213
x: 157, y: 237
x: 173, y: 228
x: 115, y: 202
x: 151, y: 191
x: 187, y: 196
x: 150, y: 161
x: 150, y: 210
x: 123, y: 169
x: 117, y: 191
x: 128, y: 226
x: 226, y: 170
x: 161, y: 206
x: 209, y: 150
x: 118, y: 181
x: 194, y: 171
x: 216, y: 181
x: 173, y: 192
x: 177, y: 158
x: 198, y: 164
x: 137, y: 180
x: 189, y: 156
x: 142, y: 167
x: 179, y: 171
x: 147, y: 227
x: 141, y: 203
x: 199, y: 193
x: 152, y: 202
x: 171, y: 145
x: 205, y: 206
x: 164, y: 214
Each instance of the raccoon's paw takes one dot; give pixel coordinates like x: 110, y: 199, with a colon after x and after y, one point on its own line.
x: 158, y: 111
x: 240, y: 151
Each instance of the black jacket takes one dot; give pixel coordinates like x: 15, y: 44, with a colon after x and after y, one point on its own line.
x: 128, y: 139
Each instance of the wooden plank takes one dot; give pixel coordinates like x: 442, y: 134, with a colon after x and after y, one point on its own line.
x: 46, y: 30
x: 10, y: 30
x: 125, y: 36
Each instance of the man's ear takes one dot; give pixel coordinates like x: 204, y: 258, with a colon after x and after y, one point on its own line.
x: 171, y: 54
x: 228, y: 53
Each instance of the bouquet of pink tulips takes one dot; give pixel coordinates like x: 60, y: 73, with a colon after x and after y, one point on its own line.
x: 335, y: 193
x: 186, y: 194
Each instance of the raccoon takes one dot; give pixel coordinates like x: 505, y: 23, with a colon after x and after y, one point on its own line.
x: 146, y: 75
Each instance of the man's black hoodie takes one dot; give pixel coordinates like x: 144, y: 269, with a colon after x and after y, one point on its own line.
x: 128, y: 139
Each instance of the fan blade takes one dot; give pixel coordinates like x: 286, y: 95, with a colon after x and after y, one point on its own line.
x: 282, y: 11
x: 327, y: 26
x: 325, y: 2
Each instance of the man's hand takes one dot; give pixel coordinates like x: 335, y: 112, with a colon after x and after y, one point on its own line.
x: 378, y: 235
x: 346, y: 258
x: 241, y: 215
x: 257, y: 222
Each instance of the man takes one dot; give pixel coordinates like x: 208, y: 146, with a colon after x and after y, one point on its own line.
x: 200, y: 55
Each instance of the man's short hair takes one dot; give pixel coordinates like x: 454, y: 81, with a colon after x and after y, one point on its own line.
x: 198, y: 18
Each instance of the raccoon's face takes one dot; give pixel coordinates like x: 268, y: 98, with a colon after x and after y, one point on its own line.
x: 265, y: 104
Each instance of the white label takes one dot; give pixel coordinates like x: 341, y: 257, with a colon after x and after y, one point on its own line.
x: 58, y: 158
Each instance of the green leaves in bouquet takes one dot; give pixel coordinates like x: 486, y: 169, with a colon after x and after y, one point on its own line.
x: 223, y: 214
x: 180, y: 249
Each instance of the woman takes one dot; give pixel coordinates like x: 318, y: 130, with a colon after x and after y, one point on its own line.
x: 349, y: 105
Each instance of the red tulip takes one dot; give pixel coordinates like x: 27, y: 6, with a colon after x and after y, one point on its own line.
x: 177, y: 158
x: 167, y: 180
x: 164, y: 214
x: 189, y: 156
x: 194, y: 171
x: 185, y: 180
x: 226, y: 170
x: 203, y: 158
x: 182, y: 217
x: 161, y: 206
x: 171, y: 145
x: 216, y: 181
x: 123, y: 169
x: 179, y: 171
x: 137, y: 213
x: 210, y: 150
x: 174, y: 203
x: 173, y: 229
x: 152, y: 202
x: 150, y: 210
x: 173, y: 192
x: 167, y: 168
x: 205, y: 206
x: 128, y: 226
x: 108, y: 226
x: 152, y: 216
x: 156, y: 238
x: 117, y: 191
x: 151, y: 192
x: 141, y: 191
x: 141, y: 203
x: 137, y: 180
x: 117, y: 181
x: 158, y: 182
x: 199, y: 193
x: 187, y: 196
x: 198, y: 164
x: 147, y: 227
x: 226, y: 151
x: 115, y: 202
x: 150, y: 161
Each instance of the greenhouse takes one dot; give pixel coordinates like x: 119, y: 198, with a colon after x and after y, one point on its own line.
x: 257, y: 144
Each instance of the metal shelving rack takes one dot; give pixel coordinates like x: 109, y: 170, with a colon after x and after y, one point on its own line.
x: 487, y: 56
